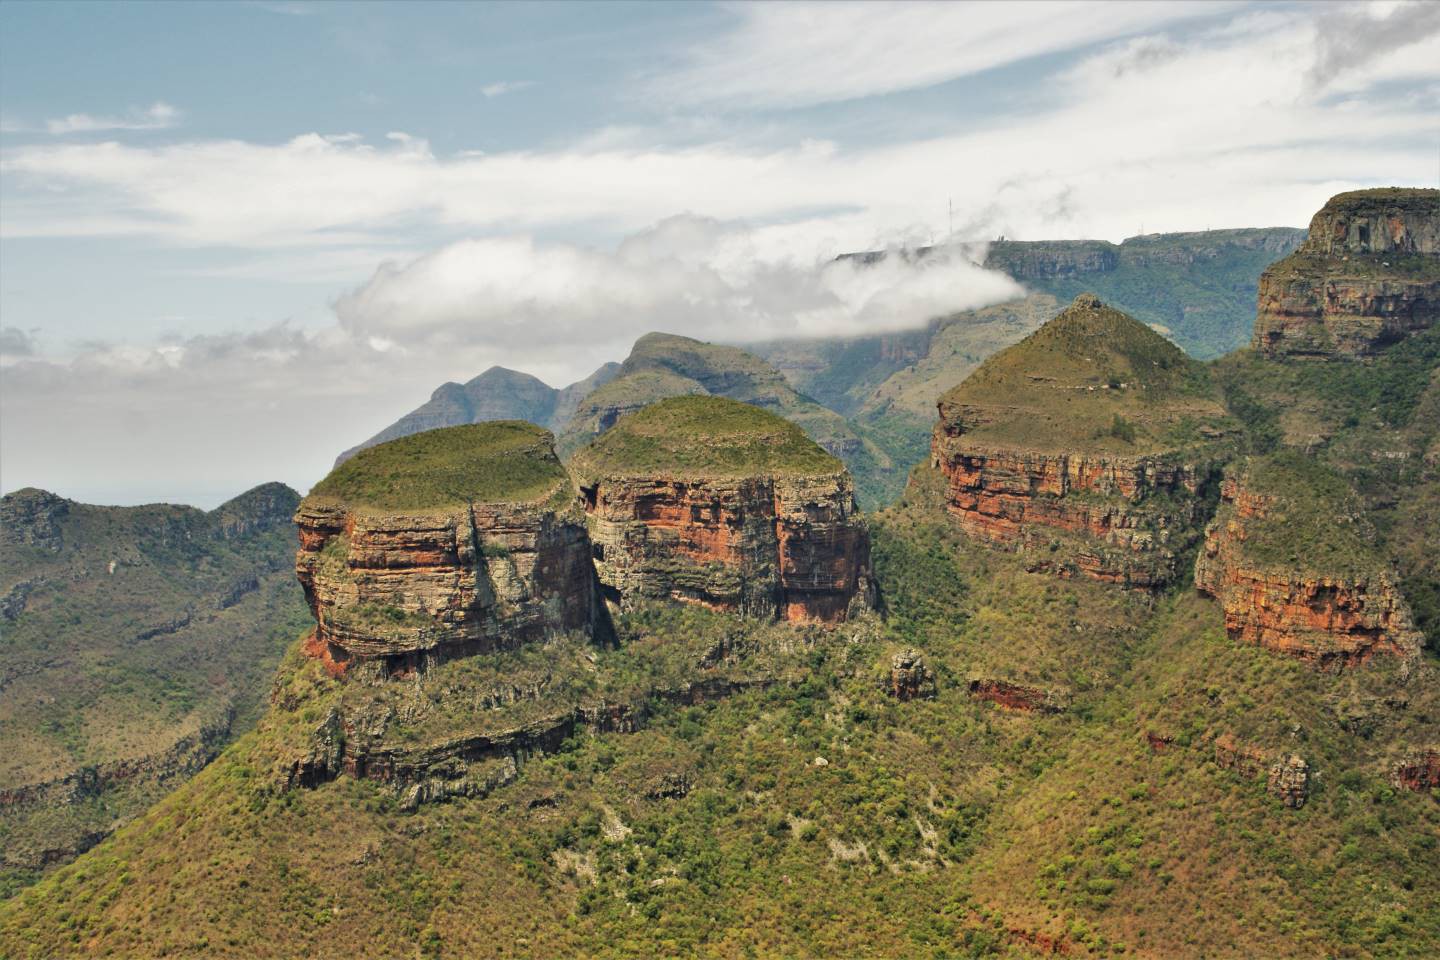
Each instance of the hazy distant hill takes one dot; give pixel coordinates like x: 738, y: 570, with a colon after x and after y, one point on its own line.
x: 137, y: 642
x: 497, y: 394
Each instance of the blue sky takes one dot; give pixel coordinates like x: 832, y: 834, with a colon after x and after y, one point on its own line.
x: 236, y: 238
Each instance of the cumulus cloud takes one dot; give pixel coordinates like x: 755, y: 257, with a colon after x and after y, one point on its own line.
x: 687, y: 274
x: 226, y: 411
x: 158, y: 116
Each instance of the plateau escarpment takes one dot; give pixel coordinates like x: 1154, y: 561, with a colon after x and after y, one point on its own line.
x: 716, y: 502
x: 1092, y: 446
x: 1294, y: 565
x: 442, y: 544
x: 1367, y: 276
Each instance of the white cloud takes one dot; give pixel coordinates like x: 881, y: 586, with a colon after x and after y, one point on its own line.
x: 1180, y: 132
x: 224, y: 412
x: 502, y: 87
x: 798, y: 54
x: 158, y: 116
x: 687, y: 274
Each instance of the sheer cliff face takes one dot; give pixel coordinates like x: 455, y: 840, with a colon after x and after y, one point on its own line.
x: 1319, y: 603
x: 787, y: 547
x: 1090, y: 447
x: 1115, y: 519
x: 1367, y: 276
x: 708, y: 500
x: 442, y: 544
x: 401, y: 588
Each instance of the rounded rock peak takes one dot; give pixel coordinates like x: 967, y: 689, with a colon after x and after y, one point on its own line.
x: 703, y: 436
x: 1086, y: 301
x: 499, y: 461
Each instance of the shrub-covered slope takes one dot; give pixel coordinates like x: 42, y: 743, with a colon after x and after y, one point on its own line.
x: 137, y: 642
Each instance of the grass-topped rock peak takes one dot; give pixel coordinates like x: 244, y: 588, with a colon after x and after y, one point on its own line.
x: 1093, y: 446
x: 444, y: 544
x: 501, y: 461
x: 704, y: 437
x: 715, y: 502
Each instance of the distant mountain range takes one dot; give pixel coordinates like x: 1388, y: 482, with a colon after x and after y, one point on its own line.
x: 871, y: 400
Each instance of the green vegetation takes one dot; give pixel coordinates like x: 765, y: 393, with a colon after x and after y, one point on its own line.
x: 493, y: 462
x: 1097, y: 377
x: 138, y: 642
x: 1315, y: 522
x: 815, y: 815
x: 1376, y: 424
x: 704, y: 437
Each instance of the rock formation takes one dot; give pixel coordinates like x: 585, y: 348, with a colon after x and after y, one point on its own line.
x: 1293, y: 564
x: 1367, y: 276
x: 1015, y: 696
x: 1090, y: 446
x: 444, y: 543
x: 1289, y: 781
x: 711, y: 501
x: 1419, y: 771
x: 910, y: 678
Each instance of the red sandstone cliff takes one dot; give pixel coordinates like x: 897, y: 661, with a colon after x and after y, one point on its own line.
x: 1089, y: 447
x: 401, y: 588
x: 791, y: 547
x: 1333, y: 617
x: 1367, y: 276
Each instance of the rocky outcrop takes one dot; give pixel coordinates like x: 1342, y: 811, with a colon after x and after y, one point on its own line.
x: 1419, y: 771
x: 1047, y: 259
x: 1041, y: 454
x: 31, y: 517
x: 361, y: 746
x: 1367, y: 276
x: 910, y: 678
x: 712, y: 501
x: 1310, y: 608
x: 1289, y: 781
x: 1027, y: 500
x: 1015, y: 696
x: 788, y: 547
x: 403, y: 588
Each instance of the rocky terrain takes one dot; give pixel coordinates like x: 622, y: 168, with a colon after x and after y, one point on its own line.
x: 139, y: 642
x: 1367, y: 277
x: 986, y: 760
x: 715, y: 502
x: 1294, y: 564
x: 1093, y: 446
x: 445, y: 543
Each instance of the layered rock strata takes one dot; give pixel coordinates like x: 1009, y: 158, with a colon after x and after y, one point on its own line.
x: 776, y: 538
x: 402, y: 587
x: 1367, y: 276
x: 1072, y: 448
x: 1324, y: 604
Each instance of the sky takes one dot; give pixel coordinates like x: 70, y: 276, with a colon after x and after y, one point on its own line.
x: 238, y: 238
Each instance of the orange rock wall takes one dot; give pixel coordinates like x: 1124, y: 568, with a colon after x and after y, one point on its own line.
x: 792, y: 548
x: 401, y: 588
x: 1105, y: 503
x: 1328, y: 619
